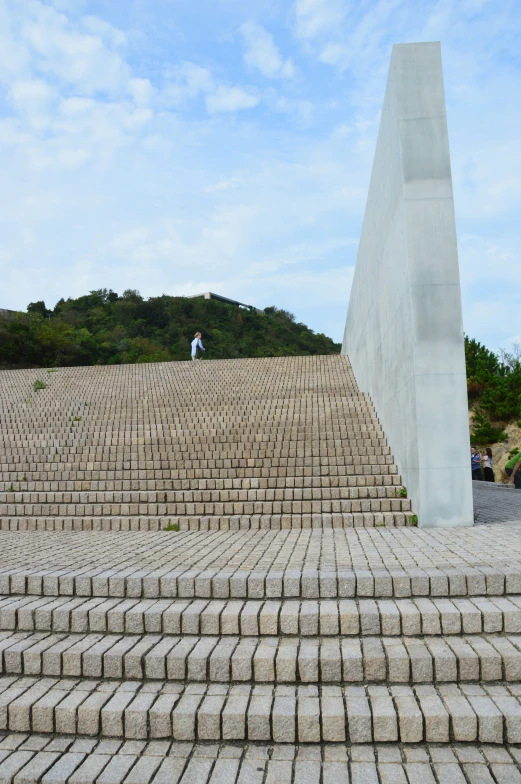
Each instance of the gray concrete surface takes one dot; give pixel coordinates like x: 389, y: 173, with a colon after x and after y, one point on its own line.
x: 496, y: 503
x: 404, y: 331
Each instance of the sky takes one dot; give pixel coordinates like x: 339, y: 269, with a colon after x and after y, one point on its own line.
x: 182, y: 146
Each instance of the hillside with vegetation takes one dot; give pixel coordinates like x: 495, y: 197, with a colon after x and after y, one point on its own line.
x: 494, y: 390
x: 494, y: 393
x: 103, y: 328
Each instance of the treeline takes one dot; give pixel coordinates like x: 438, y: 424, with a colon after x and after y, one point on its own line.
x: 494, y: 390
x: 104, y: 328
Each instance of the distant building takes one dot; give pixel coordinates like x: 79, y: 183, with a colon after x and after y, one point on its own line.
x: 211, y: 295
x: 4, y: 312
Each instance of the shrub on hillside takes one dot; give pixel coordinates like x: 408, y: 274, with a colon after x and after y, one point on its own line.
x: 483, y: 431
x: 494, y: 381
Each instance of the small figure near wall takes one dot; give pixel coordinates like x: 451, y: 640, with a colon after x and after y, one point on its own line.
x: 196, y: 344
x: 475, y: 463
x: 487, y: 465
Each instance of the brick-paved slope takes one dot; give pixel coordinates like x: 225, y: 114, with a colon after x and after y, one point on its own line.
x: 257, y: 443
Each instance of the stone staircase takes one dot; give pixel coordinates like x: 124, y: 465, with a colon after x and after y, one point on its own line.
x: 295, y: 629
x: 265, y: 443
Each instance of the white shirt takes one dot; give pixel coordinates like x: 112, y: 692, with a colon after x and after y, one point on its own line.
x: 196, y: 342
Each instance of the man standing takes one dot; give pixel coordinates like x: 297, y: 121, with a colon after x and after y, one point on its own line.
x: 513, y: 469
x: 196, y: 343
x: 475, y: 463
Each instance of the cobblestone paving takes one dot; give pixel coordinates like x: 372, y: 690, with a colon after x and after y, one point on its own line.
x: 38, y: 758
x: 263, y: 551
x: 495, y: 503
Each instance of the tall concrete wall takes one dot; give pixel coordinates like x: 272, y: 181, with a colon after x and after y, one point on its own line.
x: 404, y: 331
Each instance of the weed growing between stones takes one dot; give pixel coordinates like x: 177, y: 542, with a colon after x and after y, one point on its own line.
x: 414, y: 520
x: 39, y: 385
x: 172, y: 527
x: 403, y: 492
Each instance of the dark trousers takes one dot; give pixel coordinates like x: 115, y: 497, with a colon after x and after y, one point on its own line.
x: 476, y: 473
x: 517, y: 478
x: 489, y: 474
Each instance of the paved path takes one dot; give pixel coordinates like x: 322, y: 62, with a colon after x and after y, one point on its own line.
x: 495, y: 503
x: 81, y: 760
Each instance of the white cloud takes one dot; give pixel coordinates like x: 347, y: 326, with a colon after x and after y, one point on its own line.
x: 81, y: 59
x: 32, y: 99
x: 303, y: 109
x: 262, y: 54
x: 230, y: 99
x: 358, y: 42
x: 142, y: 92
x: 14, y: 62
x: 113, y: 36
x: 188, y: 80
x: 315, y: 17
x: 512, y: 340
x: 224, y: 185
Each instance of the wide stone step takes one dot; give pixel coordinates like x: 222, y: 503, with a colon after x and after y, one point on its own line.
x: 366, y: 463
x: 308, y: 564
x: 243, y: 481
x: 224, y: 522
x: 119, y: 481
x: 85, y: 439
x: 343, y: 465
x: 284, y: 451
x: 239, y: 490
x: 227, y: 659
x: 211, y: 507
x: 81, y: 760
x: 255, y: 427
x: 306, y: 618
x: 280, y: 714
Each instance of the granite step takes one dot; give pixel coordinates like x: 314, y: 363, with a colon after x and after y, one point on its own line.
x: 489, y: 714
x: 413, y: 617
x: 217, y: 425
x: 190, y: 506
x: 286, y: 660
x: 185, y: 461
x: 208, y: 522
x: 150, y: 479
x: 214, y: 583
x: 351, y: 486
x: 204, y: 491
